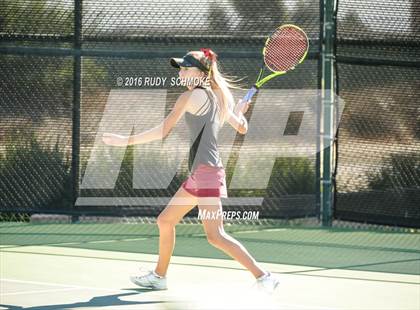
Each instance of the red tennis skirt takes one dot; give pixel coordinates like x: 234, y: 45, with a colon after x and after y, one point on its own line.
x: 206, y: 181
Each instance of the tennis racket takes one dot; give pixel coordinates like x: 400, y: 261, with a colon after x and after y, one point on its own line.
x: 284, y: 49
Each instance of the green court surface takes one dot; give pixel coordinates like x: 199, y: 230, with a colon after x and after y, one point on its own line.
x: 368, y: 250
x: 72, y: 266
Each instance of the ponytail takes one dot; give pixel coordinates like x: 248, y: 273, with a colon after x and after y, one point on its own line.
x: 217, y: 81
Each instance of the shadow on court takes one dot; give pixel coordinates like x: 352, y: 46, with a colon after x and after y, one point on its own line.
x: 99, y: 301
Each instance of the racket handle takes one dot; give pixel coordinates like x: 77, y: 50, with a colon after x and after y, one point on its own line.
x: 250, y: 94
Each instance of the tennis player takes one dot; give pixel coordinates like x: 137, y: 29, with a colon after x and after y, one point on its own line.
x: 207, y: 105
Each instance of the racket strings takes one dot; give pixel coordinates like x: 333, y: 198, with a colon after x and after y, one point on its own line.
x: 285, y: 49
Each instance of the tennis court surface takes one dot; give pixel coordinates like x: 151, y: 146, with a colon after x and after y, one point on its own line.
x: 86, y: 265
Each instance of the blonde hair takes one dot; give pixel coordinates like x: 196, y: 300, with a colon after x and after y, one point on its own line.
x: 218, y: 81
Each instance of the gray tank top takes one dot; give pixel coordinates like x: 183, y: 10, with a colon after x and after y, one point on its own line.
x: 204, y: 130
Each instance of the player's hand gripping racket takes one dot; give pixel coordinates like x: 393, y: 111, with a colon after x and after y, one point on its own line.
x: 284, y: 49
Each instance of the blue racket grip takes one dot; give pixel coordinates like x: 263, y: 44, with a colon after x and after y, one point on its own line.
x: 250, y: 94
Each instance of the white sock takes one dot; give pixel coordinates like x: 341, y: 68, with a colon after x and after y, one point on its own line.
x: 263, y: 276
x: 156, y: 275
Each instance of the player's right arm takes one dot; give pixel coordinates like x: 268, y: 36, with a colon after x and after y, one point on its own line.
x: 238, y: 121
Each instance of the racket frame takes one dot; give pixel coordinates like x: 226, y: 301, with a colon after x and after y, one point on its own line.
x: 261, y: 82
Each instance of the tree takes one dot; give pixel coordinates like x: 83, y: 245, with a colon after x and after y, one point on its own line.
x: 257, y: 19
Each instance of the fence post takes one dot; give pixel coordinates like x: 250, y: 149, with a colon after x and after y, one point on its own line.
x: 318, y: 116
x: 327, y: 121
x: 75, y: 164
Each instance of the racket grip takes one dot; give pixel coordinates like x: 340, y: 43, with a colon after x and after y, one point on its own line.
x: 250, y: 94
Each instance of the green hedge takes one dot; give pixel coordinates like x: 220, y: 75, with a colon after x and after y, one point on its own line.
x: 34, y: 176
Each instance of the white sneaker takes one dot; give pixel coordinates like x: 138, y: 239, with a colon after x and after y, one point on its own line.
x: 267, y: 283
x: 150, y: 280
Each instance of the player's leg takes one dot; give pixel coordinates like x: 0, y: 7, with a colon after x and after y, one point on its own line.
x: 181, y: 203
x: 217, y: 237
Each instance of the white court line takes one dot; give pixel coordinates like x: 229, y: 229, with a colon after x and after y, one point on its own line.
x: 65, y: 285
x: 107, y: 241
x: 41, y: 291
x: 256, y: 231
x: 99, y: 241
